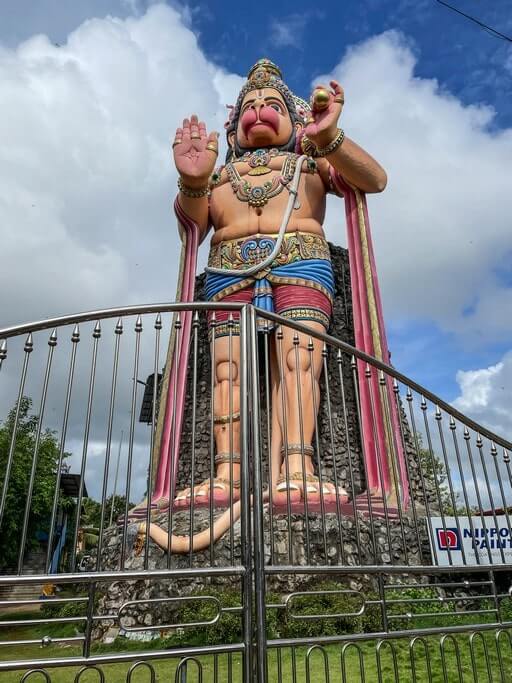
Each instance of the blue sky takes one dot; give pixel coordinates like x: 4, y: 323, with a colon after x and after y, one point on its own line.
x: 415, y: 70
x: 466, y: 60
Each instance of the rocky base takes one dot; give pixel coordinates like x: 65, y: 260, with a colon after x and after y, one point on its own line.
x: 306, y: 542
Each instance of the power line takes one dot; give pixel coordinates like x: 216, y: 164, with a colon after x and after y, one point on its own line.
x: 489, y: 29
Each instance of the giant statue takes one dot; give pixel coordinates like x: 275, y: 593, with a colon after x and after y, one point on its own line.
x: 265, y: 207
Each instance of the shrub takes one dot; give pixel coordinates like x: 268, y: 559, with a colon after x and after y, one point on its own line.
x: 329, y: 598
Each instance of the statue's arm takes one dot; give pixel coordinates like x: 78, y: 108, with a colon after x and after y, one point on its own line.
x: 195, y: 153
x: 197, y: 210
x: 351, y: 161
x: 358, y: 167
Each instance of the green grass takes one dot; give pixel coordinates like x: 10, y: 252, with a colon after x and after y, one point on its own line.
x: 282, y: 661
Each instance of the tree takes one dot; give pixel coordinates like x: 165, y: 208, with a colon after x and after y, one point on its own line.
x: 436, y: 482
x: 119, y: 508
x: 44, y: 486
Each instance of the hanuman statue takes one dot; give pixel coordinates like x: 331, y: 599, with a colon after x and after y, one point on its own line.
x: 266, y: 206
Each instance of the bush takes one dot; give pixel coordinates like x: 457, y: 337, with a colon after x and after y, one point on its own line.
x: 228, y: 628
x: 329, y: 598
x: 279, y: 621
x: 63, y: 609
x: 418, y: 602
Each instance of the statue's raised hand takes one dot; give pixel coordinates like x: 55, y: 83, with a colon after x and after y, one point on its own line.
x: 195, y: 152
x: 321, y: 128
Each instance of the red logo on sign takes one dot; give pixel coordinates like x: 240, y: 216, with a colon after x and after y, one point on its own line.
x: 448, y: 538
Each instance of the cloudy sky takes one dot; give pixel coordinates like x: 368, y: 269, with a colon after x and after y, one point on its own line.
x: 92, y: 90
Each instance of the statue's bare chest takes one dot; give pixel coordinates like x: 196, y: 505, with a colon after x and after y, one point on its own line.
x: 263, y: 182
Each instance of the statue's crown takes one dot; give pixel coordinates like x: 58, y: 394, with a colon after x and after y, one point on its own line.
x: 263, y: 73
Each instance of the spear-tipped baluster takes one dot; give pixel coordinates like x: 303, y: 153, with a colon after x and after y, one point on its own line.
x: 52, y: 343
x: 119, y: 326
x: 3, y: 352
x: 29, y: 343
x: 75, y: 338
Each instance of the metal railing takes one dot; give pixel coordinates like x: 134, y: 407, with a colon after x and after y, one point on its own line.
x: 394, y: 548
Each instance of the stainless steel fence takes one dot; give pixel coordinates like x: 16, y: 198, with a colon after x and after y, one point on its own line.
x: 372, y: 559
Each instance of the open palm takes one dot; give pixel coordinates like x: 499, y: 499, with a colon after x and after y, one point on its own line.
x: 194, y: 151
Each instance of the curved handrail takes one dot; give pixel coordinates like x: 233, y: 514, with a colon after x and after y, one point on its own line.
x: 389, y: 370
x: 102, y: 314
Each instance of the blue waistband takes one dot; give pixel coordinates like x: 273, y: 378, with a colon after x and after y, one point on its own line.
x: 318, y: 271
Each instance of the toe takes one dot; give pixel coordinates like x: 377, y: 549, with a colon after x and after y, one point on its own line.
x: 285, y: 491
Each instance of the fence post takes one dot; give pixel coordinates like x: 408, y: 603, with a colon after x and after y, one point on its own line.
x: 257, y: 507
x: 245, y: 493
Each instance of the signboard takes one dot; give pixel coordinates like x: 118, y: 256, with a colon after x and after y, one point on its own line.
x: 464, y: 539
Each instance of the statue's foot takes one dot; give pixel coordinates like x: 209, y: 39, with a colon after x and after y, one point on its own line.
x: 140, y: 511
x: 307, y: 489
x: 222, y: 491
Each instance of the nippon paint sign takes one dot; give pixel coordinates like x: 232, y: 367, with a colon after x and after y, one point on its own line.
x: 464, y: 539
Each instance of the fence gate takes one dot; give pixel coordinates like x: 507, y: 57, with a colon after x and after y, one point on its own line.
x: 370, y: 542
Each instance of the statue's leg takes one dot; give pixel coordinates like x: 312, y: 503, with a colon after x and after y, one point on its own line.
x: 226, y: 418
x: 299, y: 363
x: 277, y: 437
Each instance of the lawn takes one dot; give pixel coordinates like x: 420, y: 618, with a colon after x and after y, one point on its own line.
x: 310, y: 665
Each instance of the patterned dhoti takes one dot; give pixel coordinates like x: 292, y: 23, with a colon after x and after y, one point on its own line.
x: 298, y: 284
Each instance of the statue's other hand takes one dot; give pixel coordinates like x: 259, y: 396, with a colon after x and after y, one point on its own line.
x: 195, y: 152
x: 322, y: 127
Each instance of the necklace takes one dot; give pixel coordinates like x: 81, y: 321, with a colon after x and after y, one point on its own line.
x: 259, y: 195
x: 258, y: 160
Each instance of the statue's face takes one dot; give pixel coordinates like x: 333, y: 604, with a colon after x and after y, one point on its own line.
x: 264, y: 120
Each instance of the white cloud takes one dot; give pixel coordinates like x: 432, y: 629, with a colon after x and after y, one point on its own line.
x: 287, y: 34
x: 486, y: 395
x: 86, y: 175
x: 87, y: 180
x: 442, y: 226
x: 289, y: 31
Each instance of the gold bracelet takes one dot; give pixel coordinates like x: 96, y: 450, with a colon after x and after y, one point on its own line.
x: 308, y: 146
x: 193, y: 192
x: 332, y: 146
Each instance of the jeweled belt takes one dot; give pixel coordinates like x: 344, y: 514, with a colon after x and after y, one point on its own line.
x: 242, y: 253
